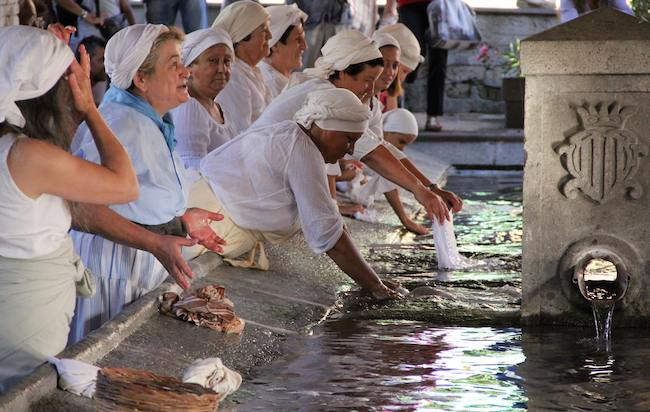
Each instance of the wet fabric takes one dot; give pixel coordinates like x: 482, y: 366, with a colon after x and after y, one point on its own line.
x: 241, y: 18
x: 213, y: 374
x: 245, y: 95
x: 126, y: 51
x: 30, y: 227
x: 199, y: 41
x: 206, y: 307
x: 198, y: 133
x: 24, y: 52
x: 283, y: 184
x: 37, y: 298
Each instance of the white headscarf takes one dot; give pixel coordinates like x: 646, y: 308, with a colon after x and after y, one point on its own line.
x: 409, y: 45
x: 334, y: 109
x: 241, y: 18
x: 385, y: 39
x: 346, y: 48
x: 31, y: 62
x: 126, y: 51
x: 400, y: 121
x: 282, y: 17
x: 199, y: 41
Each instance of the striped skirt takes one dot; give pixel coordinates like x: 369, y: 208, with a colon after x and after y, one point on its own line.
x: 123, y: 275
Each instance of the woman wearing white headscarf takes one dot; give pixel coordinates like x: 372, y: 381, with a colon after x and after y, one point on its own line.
x: 38, y: 267
x: 139, y: 243
x: 352, y: 61
x: 246, y: 95
x: 287, y: 46
x: 201, y: 123
x: 284, y: 187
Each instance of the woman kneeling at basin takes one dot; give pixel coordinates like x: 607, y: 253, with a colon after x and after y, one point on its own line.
x: 284, y: 185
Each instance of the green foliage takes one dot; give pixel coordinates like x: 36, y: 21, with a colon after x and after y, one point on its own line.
x: 512, y: 63
x: 641, y: 9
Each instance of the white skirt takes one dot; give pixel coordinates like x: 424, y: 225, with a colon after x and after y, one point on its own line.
x: 123, y: 275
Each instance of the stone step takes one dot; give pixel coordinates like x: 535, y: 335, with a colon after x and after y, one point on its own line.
x: 474, y: 149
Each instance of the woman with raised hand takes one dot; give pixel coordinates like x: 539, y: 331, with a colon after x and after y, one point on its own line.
x: 43, y: 90
x: 284, y: 188
x: 201, y: 123
x: 287, y: 46
x: 246, y: 95
x: 135, y: 246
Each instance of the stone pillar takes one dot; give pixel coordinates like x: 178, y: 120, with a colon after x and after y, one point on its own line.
x: 587, y: 172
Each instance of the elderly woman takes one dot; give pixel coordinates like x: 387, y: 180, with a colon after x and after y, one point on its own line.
x: 284, y: 187
x: 246, y: 95
x: 409, y: 60
x: 287, y: 46
x: 201, y: 123
x: 38, y: 177
x: 352, y: 61
x: 148, y: 79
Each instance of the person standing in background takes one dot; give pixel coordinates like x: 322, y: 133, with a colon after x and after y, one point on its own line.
x: 413, y: 13
x: 194, y: 13
x: 570, y: 9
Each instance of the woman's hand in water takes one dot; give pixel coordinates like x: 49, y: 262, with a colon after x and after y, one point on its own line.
x: 197, y: 224
x: 385, y: 292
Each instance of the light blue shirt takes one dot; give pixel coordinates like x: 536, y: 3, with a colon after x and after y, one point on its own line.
x: 161, y: 175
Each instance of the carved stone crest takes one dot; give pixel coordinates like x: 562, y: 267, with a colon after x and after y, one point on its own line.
x: 603, y: 158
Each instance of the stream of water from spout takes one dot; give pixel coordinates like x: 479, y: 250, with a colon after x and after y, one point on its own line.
x: 603, y: 322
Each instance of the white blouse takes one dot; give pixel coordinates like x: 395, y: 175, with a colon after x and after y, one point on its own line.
x: 197, y: 133
x: 273, y: 177
x: 245, y: 96
x: 291, y: 100
x: 30, y: 228
x: 275, y: 81
x: 377, y: 127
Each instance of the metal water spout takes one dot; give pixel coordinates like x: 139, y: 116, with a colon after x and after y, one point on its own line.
x: 602, y: 278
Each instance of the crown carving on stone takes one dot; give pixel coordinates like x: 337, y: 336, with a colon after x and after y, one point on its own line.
x: 608, y: 115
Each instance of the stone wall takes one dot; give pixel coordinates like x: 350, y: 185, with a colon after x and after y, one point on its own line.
x: 473, y: 86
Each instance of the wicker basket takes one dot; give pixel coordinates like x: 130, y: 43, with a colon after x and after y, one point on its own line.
x: 123, y: 389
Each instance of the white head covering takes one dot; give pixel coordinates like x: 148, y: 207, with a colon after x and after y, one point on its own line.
x: 334, y: 109
x: 126, y: 51
x: 409, y: 45
x: 241, y: 18
x: 342, y: 50
x: 400, y: 121
x: 31, y: 62
x: 282, y: 17
x: 385, y: 39
x: 200, y: 40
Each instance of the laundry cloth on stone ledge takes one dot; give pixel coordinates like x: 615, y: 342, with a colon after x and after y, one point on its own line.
x: 212, y: 374
x: 207, y: 307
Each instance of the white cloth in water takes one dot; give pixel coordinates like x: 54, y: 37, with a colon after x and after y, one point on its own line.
x: 30, y: 227
x: 334, y: 109
x: 241, y: 18
x: 400, y: 121
x: 212, y: 374
x: 409, y: 45
x: 345, y: 48
x: 160, y: 173
x: 291, y: 100
x: 274, y: 80
x: 446, y: 249
x: 200, y: 40
x: 126, y: 51
x: 385, y: 39
x: 245, y: 96
x: 75, y: 376
x: 198, y: 133
x: 31, y: 62
x: 284, y: 181
x: 281, y: 18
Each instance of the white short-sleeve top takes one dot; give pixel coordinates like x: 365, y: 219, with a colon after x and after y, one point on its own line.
x: 273, y: 177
